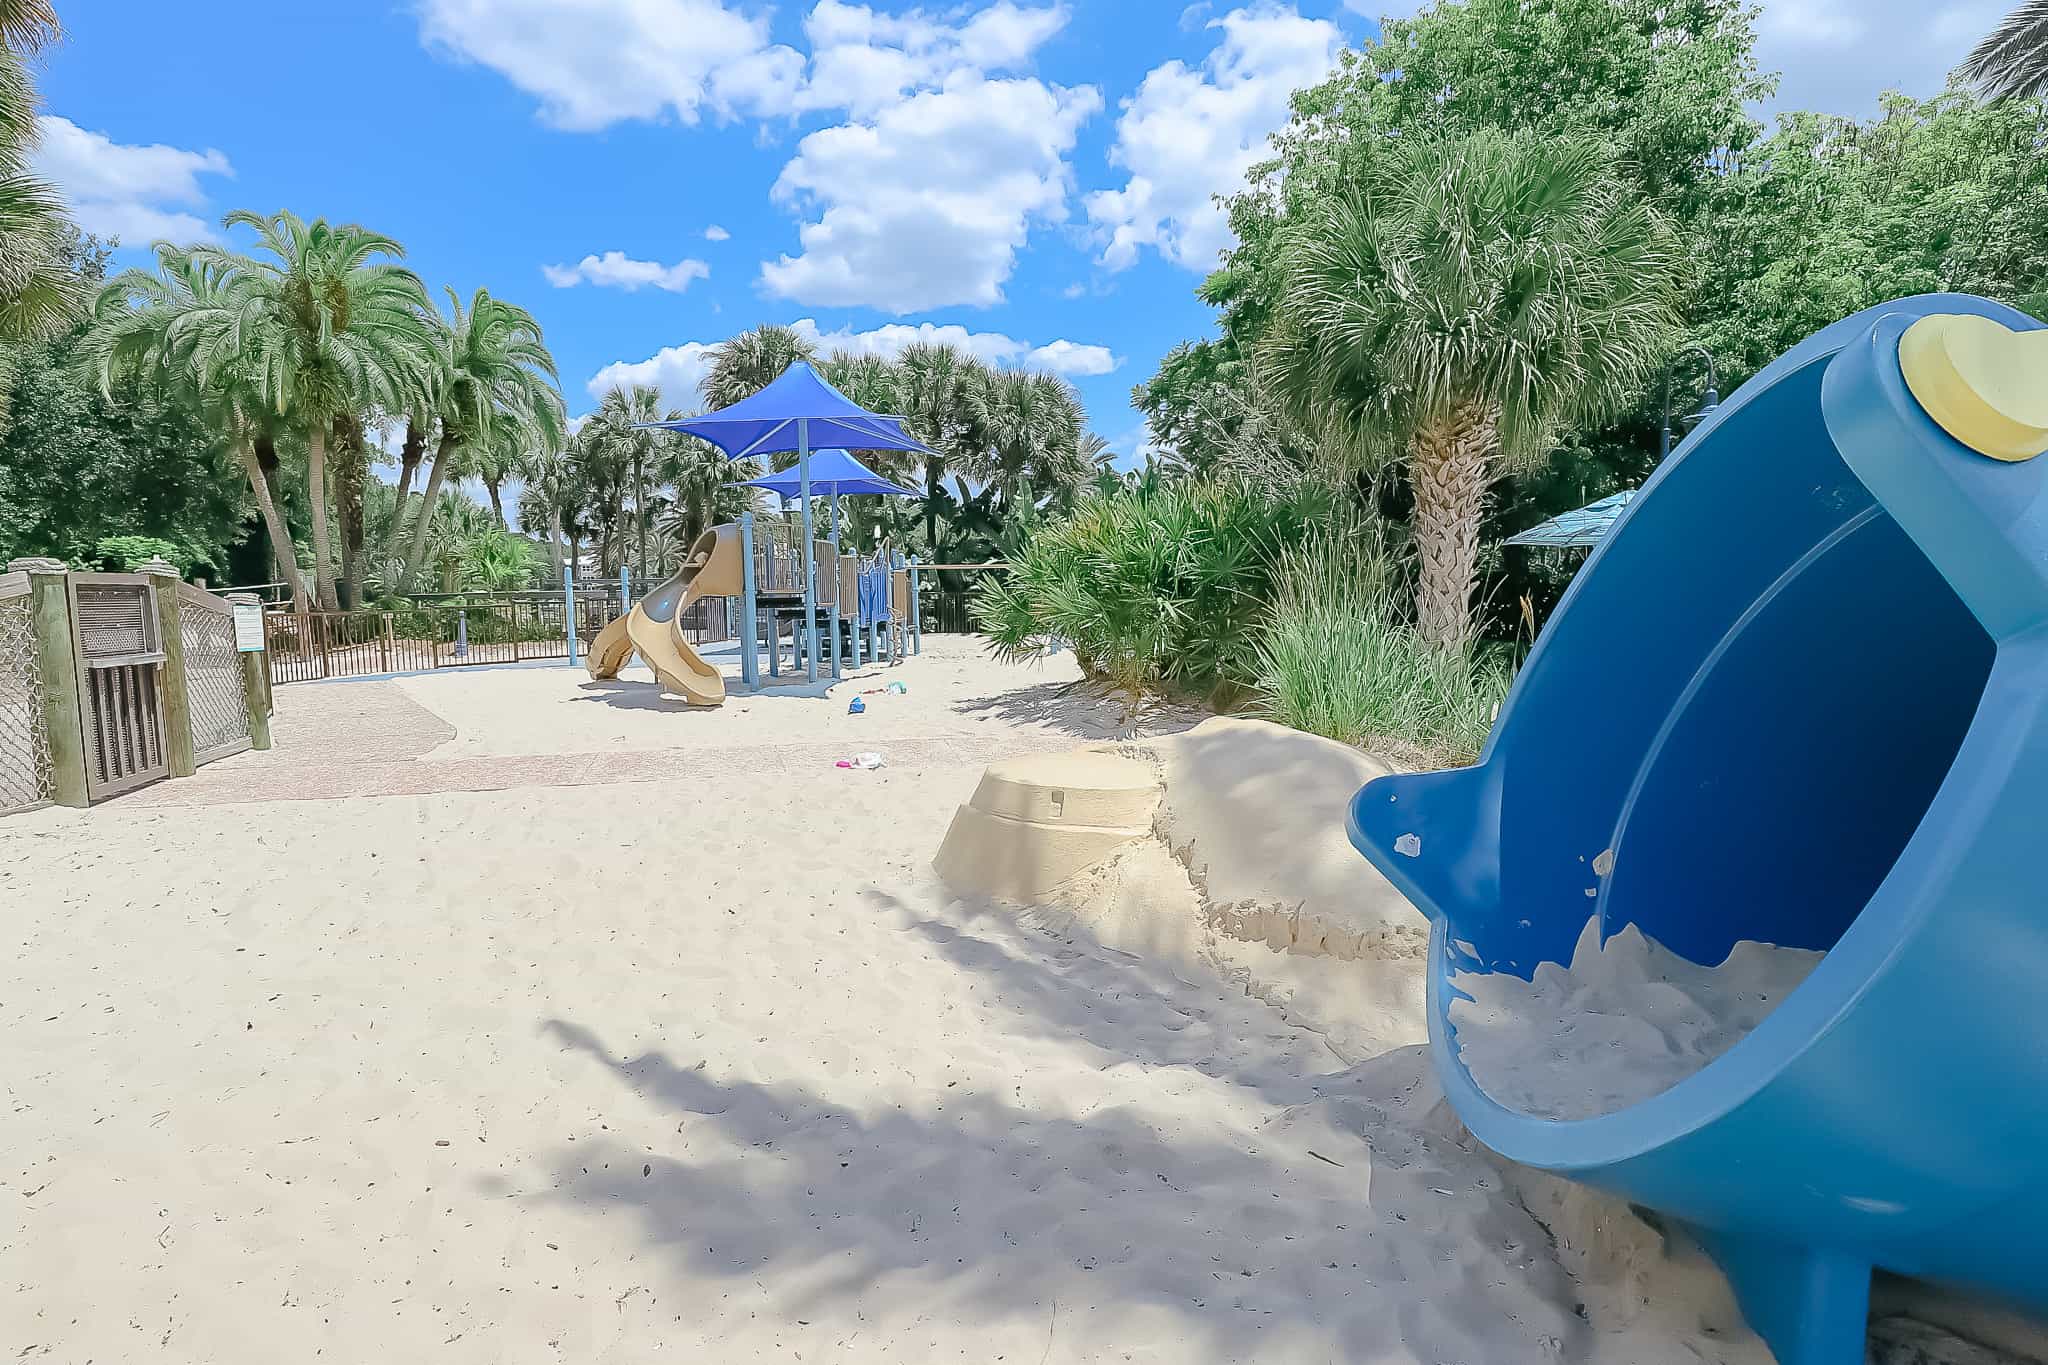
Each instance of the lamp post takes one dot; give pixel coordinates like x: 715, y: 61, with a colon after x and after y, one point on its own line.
x: 1711, y: 401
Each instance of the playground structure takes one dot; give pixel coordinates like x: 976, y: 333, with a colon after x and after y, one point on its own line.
x: 864, y: 611
x: 1798, y: 695
x: 651, y: 627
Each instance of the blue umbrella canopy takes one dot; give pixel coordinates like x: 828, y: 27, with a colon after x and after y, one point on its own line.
x: 832, y: 472
x: 1585, y: 526
x: 799, y: 409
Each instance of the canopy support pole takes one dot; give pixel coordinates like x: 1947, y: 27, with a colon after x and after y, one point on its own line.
x: 750, y: 623
x: 803, y: 462
x: 832, y: 622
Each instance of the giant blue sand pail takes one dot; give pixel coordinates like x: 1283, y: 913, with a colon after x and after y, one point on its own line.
x: 1797, y: 695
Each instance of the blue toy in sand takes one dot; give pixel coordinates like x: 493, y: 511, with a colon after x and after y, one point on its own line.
x: 1799, y: 694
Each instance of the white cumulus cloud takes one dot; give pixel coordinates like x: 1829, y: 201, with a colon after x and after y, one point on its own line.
x: 675, y: 370
x: 862, y: 61
x: 139, y: 193
x: 1190, y: 134
x: 715, y: 233
x: 617, y: 270
x: 1073, y: 358
x: 928, y: 205
x: 593, y: 63
x: 678, y: 370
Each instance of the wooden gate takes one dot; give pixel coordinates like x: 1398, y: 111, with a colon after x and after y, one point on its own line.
x: 213, y: 675
x: 117, y: 642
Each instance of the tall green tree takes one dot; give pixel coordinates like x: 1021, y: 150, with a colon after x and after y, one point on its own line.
x: 333, y: 325
x: 490, y: 370
x: 82, y: 459
x: 1031, y: 430
x: 622, y: 421
x: 748, y: 363
x: 39, y: 293
x: 2013, y: 59
x: 179, y: 329
x: 1667, y: 83
x: 1832, y: 215
x: 1455, y: 306
x: 936, y: 383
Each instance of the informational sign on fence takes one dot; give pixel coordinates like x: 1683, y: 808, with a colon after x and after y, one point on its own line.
x: 249, y: 627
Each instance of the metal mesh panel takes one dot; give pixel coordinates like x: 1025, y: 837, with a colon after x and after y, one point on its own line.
x: 114, y: 621
x: 24, y: 743
x: 213, y: 682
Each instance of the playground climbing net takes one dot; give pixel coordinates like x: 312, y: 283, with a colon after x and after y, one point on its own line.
x: 24, y: 742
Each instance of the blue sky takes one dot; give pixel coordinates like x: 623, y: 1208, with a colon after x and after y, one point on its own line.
x: 650, y: 176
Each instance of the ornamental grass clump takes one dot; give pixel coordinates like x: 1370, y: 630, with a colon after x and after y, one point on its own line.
x: 1159, y: 589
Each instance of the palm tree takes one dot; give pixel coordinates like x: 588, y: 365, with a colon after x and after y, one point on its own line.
x: 1454, y: 304
x: 550, y: 502
x: 491, y: 371
x: 28, y: 25
x: 39, y: 292
x: 623, y: 415
x: 333, y: 327
x: 1031, y: 425
x: 178, y: 326
x: 2012, y: 63
x: 751, y: 361
x: 703, y: 480
x: 935, y: 383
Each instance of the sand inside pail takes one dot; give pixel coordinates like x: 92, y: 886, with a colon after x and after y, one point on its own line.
x: 1625, y: 1022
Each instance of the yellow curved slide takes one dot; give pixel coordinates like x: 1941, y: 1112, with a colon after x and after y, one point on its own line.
x: 650, y: 628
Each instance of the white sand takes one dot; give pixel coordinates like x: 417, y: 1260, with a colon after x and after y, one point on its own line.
x: 956, y: 691
x: 714, y: 1070
x: 1625, y: 1022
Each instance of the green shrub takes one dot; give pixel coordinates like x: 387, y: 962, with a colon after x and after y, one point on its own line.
x: 496, y: 560
x: 1337, y: 657
x: 1158, y: 589
x: 126, y: 554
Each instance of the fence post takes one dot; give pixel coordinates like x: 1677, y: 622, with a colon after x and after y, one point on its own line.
x: 163, y: 586
x: 916, y: 612
x: 255, y: 677
x: 63, y: 722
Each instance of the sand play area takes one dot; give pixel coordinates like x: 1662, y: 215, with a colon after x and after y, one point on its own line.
x: 503, y: 1016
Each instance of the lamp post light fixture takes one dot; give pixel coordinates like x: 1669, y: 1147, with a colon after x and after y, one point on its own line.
x: 1711, y: 400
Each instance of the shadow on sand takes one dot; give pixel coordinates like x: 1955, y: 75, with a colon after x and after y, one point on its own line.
x: 1287, y: 1218
x: 1086, y: 710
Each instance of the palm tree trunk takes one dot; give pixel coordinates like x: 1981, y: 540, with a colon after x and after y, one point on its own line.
x: 351, y: 463
x: 444, y: 455
x: 316, y: 498
x: 273, y: 521
x: 640, y: 510
x: 1450, y: 470
x: 497, y: 501
x: 409, y: 457
x: 934, y: 483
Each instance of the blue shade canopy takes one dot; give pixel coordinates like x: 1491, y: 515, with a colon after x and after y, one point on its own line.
x: 832, y: 472
x: 769, y: 423
x: 1584, y: 527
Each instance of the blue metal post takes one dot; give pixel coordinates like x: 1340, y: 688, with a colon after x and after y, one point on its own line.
x: 916, y: 616
x: 832, y: 624
x: 750, y: 632
x: 803, y: 467
x: 569, y: 605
